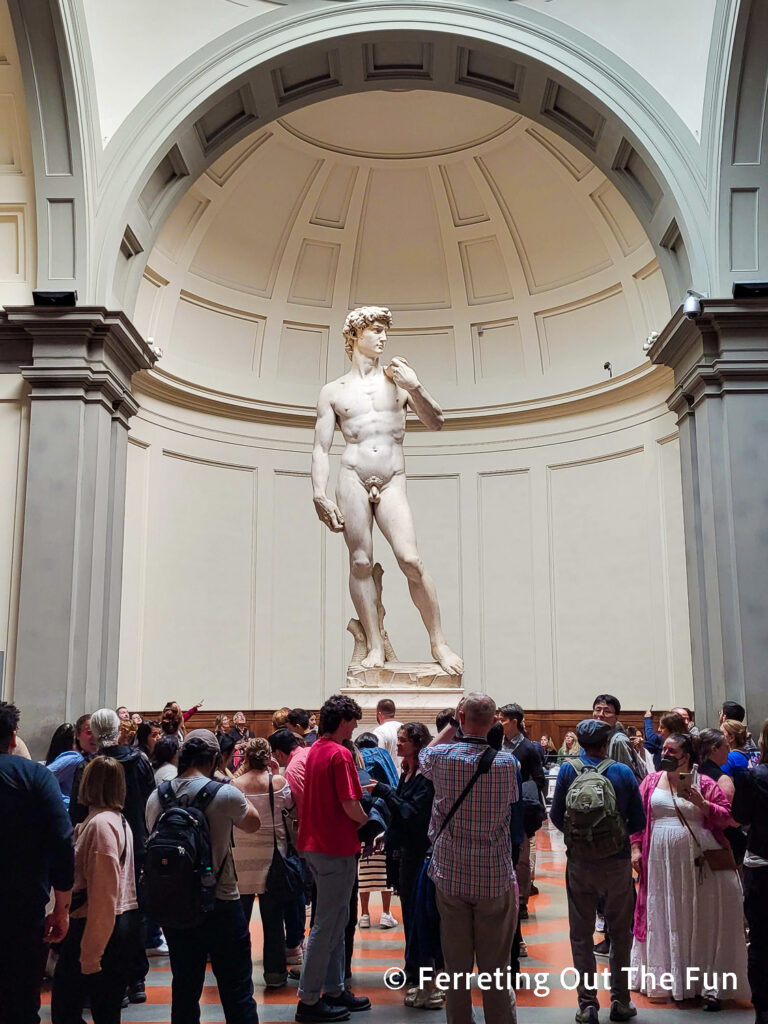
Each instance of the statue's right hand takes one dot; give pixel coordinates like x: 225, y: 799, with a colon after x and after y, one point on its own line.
x: 330, y: 514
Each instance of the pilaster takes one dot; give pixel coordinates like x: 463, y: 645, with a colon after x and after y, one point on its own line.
x: 79, y: 366
x: 720, y: 363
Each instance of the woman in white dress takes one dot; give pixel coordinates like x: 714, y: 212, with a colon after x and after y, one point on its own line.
x: 688, y: 918
x: 254, y: 851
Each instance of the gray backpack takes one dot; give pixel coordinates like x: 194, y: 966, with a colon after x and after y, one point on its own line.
x: 593, y: 827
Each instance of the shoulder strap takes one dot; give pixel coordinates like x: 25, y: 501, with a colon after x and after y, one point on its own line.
x: 604, y: 765
x: 484, y: 766
x: 272, y: 809
x: 124, y: 854
x: 683, y: 819
x: 578, y: 765
x: 167, y: 796
x: 204, y: 796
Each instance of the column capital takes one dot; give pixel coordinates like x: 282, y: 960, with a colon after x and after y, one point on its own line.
x: 83, y: 352
x: 723, y: 350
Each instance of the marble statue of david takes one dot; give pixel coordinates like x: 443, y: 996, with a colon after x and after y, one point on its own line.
x: 369, y: 403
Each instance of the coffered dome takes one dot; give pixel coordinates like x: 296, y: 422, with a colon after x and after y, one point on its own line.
x: 514, y: 269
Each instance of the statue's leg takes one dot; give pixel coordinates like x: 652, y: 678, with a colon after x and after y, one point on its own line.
x: 393, y: 514
x: 352, y: 499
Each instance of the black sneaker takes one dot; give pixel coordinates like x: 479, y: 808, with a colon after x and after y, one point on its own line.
x: 349, y: 1001
x: 137, y: 993
x: 319, y: 1012
x: 523, y: 912
x: 603, y: 948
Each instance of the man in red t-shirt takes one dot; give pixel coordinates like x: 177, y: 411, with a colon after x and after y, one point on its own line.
x: 331, y: 814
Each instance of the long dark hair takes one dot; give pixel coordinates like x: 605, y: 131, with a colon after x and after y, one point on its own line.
x: 166, y: 748
x: 61, y: 741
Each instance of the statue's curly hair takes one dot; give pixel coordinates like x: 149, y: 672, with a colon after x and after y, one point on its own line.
x: 361, y: 318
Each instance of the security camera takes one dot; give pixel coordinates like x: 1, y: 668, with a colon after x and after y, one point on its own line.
x: 692, y: 304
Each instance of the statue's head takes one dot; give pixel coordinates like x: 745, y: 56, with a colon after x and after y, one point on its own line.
x: 359, y: 319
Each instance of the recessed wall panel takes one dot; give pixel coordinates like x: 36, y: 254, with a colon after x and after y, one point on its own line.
x: 201, y: 564
x: 506, y: 583
x: 297, y: 589
x: 215, y: 335
x: 601, y: 586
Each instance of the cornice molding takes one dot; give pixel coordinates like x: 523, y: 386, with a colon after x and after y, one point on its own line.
x: 88, y: 354
x: 165, y: 387
x: 722, y: 351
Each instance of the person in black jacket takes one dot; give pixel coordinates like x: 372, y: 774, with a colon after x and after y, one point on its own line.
x: 527, y: 753
x: 36, y: 855
x: 750, y: 807
x: 406, y: 840
x: 139, y: 783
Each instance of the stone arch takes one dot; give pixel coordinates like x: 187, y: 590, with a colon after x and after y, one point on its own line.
x: 586, y: 95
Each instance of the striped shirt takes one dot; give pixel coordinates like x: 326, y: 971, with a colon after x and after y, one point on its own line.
x: 473, y: 856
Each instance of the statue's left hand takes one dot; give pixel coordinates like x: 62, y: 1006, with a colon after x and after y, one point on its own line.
x: 402, y: 373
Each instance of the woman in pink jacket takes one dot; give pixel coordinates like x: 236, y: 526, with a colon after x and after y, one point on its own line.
x: 96, y: 955
x: 688, y: 919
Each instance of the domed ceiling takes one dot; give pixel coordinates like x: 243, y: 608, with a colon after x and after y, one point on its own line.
x: 514, y: 269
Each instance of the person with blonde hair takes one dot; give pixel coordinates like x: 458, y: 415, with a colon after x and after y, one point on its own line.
x: 571, y: 747
x: 270, y: 795
x: 736, y: 737
x: 95, y: 957
x: 280, y: 719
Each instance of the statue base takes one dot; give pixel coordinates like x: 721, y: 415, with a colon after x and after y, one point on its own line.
x: 398, y: 674
x: 419, y: 689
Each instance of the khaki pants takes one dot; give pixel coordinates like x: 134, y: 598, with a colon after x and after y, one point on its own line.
x: 586, y: 882
x: 526, y: 868
x: 475, y: 930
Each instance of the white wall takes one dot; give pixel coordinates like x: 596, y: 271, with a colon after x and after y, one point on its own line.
x: 557, y: 548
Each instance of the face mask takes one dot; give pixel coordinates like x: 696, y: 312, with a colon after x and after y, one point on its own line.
x: 669, y: 763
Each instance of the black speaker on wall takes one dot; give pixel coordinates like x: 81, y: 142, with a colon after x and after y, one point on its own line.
x: 55, y: 298
x: 750, y: 290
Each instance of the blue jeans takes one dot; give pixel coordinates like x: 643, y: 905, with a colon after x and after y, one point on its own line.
x: 224, y: 935
x: 323, y: 969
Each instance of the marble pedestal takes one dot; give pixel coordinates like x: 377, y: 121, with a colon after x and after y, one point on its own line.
x: 419, y: 689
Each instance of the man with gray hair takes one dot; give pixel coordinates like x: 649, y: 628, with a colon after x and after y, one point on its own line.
x: 471, y: 865
x: 139, y: 783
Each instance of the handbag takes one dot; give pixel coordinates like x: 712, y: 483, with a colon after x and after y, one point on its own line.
x: 423, y: 940
x: 721, y: 859
x: 285, y: 878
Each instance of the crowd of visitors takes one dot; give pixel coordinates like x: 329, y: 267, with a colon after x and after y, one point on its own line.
x: 135, y: 838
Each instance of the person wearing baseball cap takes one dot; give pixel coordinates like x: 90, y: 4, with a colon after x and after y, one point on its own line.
x: 607, y: 878
x: 223, y: 934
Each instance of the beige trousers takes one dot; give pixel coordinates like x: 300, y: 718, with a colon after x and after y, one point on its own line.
x: 478, y: 931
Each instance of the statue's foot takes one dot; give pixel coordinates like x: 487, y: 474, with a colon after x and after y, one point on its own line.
x: 449, y: 662
x: 374, y: 658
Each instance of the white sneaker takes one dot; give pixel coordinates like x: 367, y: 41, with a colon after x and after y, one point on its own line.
x: 599, y: 923
x: 294, y: 957
x: 364, y: 921
x: 161, y: 950
x: 388, y: 921
x: 523, y: 950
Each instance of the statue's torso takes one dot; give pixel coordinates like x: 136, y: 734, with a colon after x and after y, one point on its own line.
x: 371, y: 414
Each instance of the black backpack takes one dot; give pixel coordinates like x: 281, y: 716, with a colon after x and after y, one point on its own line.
x: 178, y: 883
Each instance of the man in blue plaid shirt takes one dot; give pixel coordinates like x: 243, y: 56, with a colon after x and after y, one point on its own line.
x: 472, y: 859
